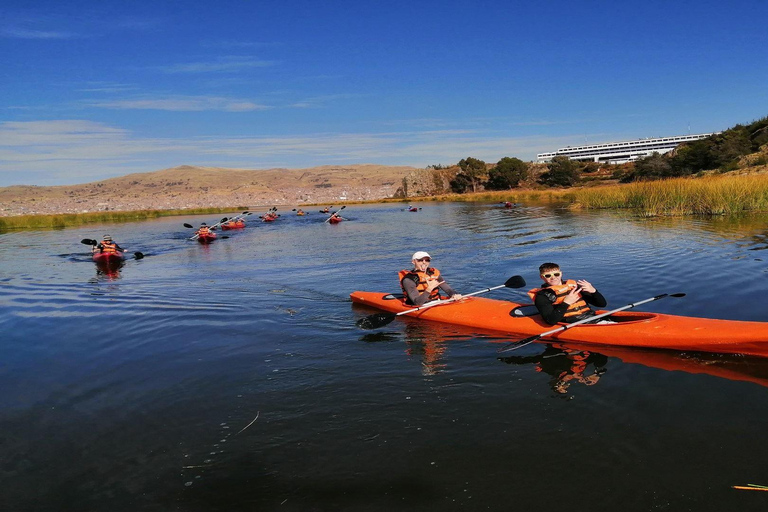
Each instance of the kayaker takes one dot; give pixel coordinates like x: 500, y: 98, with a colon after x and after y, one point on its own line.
x: 204, y: 230
x: 568, y: 301
x: 300, y: 212
x: 423, y: 283
x: 107, y: 245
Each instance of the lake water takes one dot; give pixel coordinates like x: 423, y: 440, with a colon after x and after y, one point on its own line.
x: 232, y: 377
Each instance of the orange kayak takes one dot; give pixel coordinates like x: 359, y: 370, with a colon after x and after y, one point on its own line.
x: 239, y: 224
x: 632, y: 329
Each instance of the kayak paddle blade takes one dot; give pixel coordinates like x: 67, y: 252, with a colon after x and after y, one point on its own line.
x: 138, y: 255
x: 515, y: 282
x: 676, y: 295
x: 88, y: 241
x: 375, y: 321
x: 188, y: 225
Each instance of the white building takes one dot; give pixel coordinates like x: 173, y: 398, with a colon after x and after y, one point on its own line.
x: 621, y: 152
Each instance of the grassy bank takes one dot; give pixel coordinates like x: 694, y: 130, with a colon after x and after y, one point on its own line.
x: 79, y: 219
x: 712, y: 195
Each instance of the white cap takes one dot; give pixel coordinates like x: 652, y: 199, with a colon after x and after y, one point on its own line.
x: 420, y: 254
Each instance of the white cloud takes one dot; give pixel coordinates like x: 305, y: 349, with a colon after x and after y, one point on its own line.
x: 223, y: 64
x: 181, y: 104
x: 22, y: 33
x: 68, y: 151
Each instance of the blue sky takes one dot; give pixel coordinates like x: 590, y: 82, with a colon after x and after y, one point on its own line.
x: 91, y: 90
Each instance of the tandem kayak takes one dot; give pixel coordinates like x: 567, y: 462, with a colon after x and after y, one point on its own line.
x: 233, y: 225
x: 108, y: 257
x: 632, y: 329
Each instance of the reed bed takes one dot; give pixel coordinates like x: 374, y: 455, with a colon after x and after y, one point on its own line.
x: 710, y: 195
x: 60, y: 221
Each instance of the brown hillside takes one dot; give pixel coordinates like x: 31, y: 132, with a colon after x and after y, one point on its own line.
x: 200, y: 187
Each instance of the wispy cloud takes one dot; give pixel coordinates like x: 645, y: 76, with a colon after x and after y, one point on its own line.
x: 23, y: 33
x: 181, y: 104
x: 220, y: 65
x: 74, y: 149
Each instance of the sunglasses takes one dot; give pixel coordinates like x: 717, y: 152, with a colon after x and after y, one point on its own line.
x: 425, y: 259
x: 555, y: 274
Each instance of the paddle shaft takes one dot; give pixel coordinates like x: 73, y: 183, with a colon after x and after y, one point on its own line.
x: 581, y: 322
x: 438, y: 302
x: 335, y: 213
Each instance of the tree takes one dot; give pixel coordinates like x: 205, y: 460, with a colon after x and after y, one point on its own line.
x: 563, y: 172
x: 508, y: 173
x: 474, y: 171
x: 654, y: 166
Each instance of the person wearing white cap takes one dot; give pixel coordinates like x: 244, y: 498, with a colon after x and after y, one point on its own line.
x: 423, y: 283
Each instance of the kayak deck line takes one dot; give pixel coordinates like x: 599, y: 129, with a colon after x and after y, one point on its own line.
x: 632, y: 329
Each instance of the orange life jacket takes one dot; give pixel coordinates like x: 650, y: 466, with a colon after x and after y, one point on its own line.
x: 577, y: 308
x: 421, y: 280
x: 204, y: 230
x: 108, y: 247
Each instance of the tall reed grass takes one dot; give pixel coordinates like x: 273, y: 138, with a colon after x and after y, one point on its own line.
x: 710, y: 195
x: 78, y: 219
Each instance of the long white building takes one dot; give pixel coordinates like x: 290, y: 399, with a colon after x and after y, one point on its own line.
x: 621, y: 152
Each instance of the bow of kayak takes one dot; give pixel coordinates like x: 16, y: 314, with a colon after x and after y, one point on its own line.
x: 108, y: 257
x: 632, y: 329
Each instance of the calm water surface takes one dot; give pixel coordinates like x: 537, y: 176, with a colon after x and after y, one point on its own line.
x: 232, y: 377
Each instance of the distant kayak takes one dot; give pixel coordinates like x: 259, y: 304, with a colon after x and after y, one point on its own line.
x: 414, y: 209
x: 335, y: 220
x: 632, y: 329
x: 206, y: 239
x: 233, y: 225
x: 108, y: 257
x: 508, y: 205
x: 269, y: 218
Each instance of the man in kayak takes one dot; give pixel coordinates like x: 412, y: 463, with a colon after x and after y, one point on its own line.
x: 568, y: 301
x: 203, y: 231
x: 107, y: 245
x: 423, y: 283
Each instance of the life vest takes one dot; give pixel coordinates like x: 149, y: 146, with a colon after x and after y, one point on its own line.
x: 204, y: 231
x: 108, y: 247
x: 578, y: 308
x: 421, y: 280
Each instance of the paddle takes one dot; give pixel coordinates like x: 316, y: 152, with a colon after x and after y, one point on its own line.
x: 517, y: 344
x: 381, y: 319
x: 87, y: 241
x: 335, y: 213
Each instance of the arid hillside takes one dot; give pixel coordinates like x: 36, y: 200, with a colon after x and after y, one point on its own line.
x: 201, y: 187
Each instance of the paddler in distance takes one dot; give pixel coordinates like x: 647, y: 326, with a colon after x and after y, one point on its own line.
x: 203, y: 231
x: 107, y: 245
x: 568, y: 301
x: 423, y: 283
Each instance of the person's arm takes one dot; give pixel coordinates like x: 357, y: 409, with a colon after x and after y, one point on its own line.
x: 595, y: 298
x: 445, y: 287
x: 414, y: 297
x: 550, y: 312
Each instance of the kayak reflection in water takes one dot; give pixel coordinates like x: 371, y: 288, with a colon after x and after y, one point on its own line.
x: 568, y: 301
x: 565, y: 366
x: 427, y: 343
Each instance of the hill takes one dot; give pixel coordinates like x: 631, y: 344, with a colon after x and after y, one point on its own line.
x: 187, y: 186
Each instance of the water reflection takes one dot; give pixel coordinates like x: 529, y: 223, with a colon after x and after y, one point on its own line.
x: 108, y: 270
x: 565, y: 366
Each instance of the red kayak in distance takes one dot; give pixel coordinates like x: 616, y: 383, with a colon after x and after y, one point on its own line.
x: 414, y: 209
x: 206, y: 239
x: 269, y: 218
x: 335, y: 220
x: 508, y: 205
x: 108, y: 257
x: 233, y: 225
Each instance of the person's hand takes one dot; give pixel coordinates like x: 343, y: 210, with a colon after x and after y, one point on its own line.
x: 572, y: 296
x: 586, y: 286
x: 433, y: 283
x: 456, y: 296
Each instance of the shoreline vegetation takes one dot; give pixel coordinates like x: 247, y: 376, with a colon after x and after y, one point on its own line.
x: 713, y: 195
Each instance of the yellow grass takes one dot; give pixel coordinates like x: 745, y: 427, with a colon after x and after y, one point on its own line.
x: 78, y: 219
x: 711, y: 195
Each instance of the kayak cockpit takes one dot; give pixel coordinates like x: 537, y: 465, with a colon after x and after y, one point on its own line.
x: 529, y: 310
